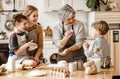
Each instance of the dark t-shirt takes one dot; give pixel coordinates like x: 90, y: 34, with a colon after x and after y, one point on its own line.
x: 17, y: 40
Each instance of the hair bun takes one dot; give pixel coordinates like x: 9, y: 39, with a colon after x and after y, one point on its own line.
x: 16, y: 15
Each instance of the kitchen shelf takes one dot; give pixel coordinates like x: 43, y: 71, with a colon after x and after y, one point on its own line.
x: 4, y: 41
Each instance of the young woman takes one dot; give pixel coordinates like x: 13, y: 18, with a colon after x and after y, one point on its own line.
x: 36, y: 34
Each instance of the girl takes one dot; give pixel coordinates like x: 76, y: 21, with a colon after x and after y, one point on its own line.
x: 18, y: 42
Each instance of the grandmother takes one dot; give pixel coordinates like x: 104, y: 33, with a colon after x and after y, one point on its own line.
x: 69, y: 35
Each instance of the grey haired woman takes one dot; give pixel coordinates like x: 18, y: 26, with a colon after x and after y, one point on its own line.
x: 69, y: 35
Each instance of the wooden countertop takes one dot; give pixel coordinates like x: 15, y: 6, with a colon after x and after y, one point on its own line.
x: 22, y: 74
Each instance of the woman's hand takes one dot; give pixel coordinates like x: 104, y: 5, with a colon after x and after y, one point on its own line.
x: 36, y: 58
x: 64, y: 52
x: 68, y: 33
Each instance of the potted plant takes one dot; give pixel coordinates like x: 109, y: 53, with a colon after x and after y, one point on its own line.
x: 93, y: 4
x: 98, y: 5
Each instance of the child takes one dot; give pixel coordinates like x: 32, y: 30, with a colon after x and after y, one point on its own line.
x: 18, y: 44
x: 99, y: 48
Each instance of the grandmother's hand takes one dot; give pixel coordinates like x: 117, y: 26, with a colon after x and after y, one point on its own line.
x: 65, y: 52
x: 68, y: 33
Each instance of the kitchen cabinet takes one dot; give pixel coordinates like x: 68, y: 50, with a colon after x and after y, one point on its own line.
x: 48, y: 49
x: 3, y: 52
x: 54, y: 5
x: 51, y: 5
x: 110, y: 17
x: 78, y: 5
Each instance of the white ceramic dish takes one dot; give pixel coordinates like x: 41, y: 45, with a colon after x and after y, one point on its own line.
x: 36, y: 73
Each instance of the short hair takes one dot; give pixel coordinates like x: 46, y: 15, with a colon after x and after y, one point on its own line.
x: 66, y: 12
x: 102, y: 26
x: 29, y: 9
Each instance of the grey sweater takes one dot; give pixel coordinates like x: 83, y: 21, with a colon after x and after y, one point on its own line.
x: 78, y: 30
x: 103, y: 46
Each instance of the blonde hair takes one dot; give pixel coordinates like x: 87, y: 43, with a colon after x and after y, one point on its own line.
x: 101, y: 26
x: 29, y: 9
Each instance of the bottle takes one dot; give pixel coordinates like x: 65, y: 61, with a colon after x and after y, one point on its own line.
x: 11, y: 63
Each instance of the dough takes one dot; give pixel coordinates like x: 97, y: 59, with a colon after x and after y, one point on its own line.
x: 62, y: 63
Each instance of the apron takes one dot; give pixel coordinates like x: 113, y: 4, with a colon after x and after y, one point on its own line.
x: 32, y: 35
x: 72, y: 56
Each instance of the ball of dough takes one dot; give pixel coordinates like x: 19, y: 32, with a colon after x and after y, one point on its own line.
x: 62, y: 63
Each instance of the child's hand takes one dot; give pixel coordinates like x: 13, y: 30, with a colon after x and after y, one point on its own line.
x: 96, y: 50
x: 32, y: 46
x: 85, y: 45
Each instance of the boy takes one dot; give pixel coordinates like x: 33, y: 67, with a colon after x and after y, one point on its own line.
x: 99, y: 48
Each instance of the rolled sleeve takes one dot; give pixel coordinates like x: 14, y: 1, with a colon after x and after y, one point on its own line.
x: 79, y: 43
x: 80, y: 34
x: 57, y: 36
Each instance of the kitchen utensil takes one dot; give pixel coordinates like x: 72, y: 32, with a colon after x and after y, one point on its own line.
x: 53, y: 58
x: 9, y: 25
x: 36, y: 73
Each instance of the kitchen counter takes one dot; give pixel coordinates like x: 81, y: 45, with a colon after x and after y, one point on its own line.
x: 4, y: 41
x: 22, y: 74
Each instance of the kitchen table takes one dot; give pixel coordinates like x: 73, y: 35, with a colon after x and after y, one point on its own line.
x: 22, y: 74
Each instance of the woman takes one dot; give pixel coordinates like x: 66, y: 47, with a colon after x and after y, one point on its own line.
x: 69, y: 35
x: 35, y: 34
